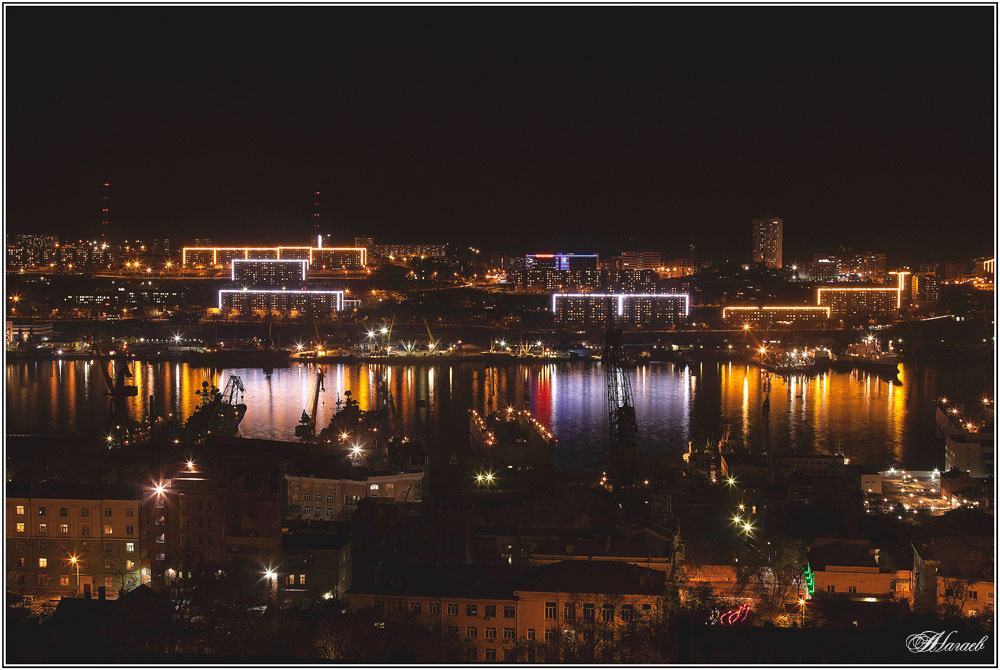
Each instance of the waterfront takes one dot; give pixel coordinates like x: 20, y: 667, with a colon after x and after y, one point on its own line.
x: 872, y: 419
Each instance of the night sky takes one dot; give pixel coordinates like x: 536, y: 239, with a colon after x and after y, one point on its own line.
x: 516, y: 129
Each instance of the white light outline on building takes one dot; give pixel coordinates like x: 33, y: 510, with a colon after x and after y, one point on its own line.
x: 898, y: 290
x: 246, y: 252
x: 339, y: 294
x: 234, y: 261
x: 621, y: 298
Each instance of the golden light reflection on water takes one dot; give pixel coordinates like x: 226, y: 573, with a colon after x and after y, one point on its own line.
x: 868, y: 417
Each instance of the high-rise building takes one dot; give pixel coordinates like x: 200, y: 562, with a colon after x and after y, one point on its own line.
x: 641, y: 260
x: 563, y: 261
x: 767, y: 234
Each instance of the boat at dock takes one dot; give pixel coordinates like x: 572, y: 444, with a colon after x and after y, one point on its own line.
x: 868, y: 353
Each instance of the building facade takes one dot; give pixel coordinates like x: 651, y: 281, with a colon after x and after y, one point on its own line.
x: 320, y: 258
x: 563, y: 261
x: 73, y: 546
x: 767, y: 240
x: 641, y: 260
x: 630, y: 310
x: 776, y: 315
x: 286, y: 273
x: 331, y: 499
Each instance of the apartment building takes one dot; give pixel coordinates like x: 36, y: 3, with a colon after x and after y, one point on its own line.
x: 337, y: 498
x: 492, y: 610
x: 62, y: 545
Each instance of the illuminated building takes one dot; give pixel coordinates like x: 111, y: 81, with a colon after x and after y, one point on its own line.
x: 641, y: 260
x: 548, y: 280
x: 286, y: 301
x: 971, y: 453
x: 183, y: 515
x: 25, y: 331
x: 846, y: 266
x: 337, y: 499
x: 924, y: 287
x: 776, y: 315
x: 267, y: 273
x: 400, y: 251
x: 563, y: 261
x: 635, y: 310
x: 767, y: 239
x: 320, y: 258
x: 865, y: 302
x: 494, y: 611
x: 54, y: 541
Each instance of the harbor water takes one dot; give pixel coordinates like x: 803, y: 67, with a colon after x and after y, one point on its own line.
x: 872, y: 419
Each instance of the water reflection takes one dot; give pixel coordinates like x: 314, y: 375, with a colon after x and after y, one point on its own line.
x: 872, y: 419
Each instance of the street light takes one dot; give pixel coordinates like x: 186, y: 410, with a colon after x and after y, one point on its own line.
x: 270, y: 575
x: 76, y: 563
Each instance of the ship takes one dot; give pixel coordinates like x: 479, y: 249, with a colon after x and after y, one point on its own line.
x: 868, y: 353
x: 220, y: 412
x: 791, y: 362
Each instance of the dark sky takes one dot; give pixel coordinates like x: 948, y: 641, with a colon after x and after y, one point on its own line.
x: 514, y: 128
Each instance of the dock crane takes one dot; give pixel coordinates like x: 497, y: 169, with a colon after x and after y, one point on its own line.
x: 307, y: 424
x: 622, y: 425
x: 431, y: 342
x: 118, y: 390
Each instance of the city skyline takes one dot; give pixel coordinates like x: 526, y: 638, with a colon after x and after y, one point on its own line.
x: 873, y: 151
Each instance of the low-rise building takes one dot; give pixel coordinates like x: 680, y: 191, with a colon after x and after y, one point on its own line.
x: 849, y: 568
x: 953, y: 576
x: 316, y: 565
x: 332, y: 499
x: 971, y: 453
x: 492, y: 610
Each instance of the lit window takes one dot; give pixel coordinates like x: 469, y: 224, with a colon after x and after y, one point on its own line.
x: 20, y: 528
x: 130, y: 565
x: 302, y: 580
x: 64, y: 528
x: 130, y: 547
x: 63, y: 580
x: 20, y: 509
x: 108, y: 530
x: 43, y: 562
x: 43, y: 529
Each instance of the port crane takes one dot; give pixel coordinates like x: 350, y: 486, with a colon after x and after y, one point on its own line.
x: 622, y: 425
x: 431, y: 342
x: 118, y: 391
x: 307, y: 424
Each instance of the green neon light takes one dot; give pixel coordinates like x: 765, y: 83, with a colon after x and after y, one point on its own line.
x: 810, y: 578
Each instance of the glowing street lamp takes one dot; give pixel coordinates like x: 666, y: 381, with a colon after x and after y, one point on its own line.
x: 730, y: 481
x: 75, y: 562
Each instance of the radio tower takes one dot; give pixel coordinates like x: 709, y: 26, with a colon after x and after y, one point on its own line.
x: 106, y: 214
x: 316, y: 231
